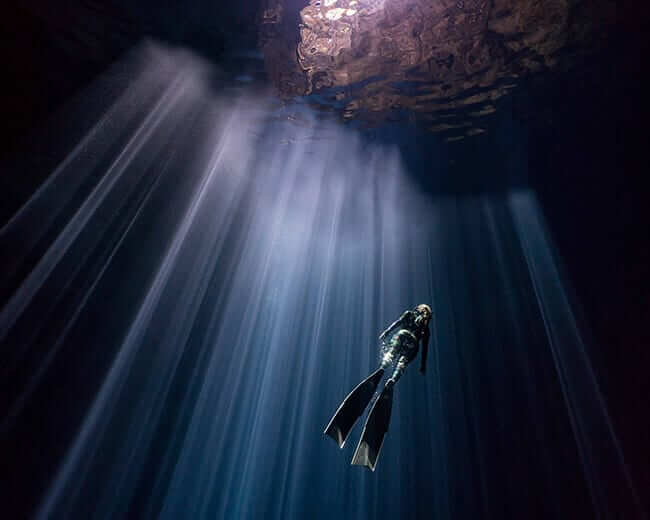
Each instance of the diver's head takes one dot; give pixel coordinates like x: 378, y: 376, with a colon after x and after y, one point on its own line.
x: 424, y: 312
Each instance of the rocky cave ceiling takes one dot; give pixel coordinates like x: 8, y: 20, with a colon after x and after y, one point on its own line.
x: 445, y: 63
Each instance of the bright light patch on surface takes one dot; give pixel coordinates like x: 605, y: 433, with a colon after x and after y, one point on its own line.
x: 335, y: 14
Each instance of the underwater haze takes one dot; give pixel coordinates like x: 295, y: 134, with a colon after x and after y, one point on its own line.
x: 202, y: 278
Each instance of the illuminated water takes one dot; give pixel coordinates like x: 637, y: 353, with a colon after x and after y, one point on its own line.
x: 200, y: 282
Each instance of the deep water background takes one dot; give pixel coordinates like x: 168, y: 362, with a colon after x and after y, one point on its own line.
x: 203, y: 277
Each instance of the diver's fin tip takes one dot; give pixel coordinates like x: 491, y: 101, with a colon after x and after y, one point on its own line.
x: 335, y: 433
x: 362, y: 456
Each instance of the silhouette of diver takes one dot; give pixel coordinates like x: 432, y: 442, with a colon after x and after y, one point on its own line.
x: 411, y: 328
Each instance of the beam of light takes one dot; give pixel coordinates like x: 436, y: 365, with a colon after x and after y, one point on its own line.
x: 590, y: 420
x: 224, y: 275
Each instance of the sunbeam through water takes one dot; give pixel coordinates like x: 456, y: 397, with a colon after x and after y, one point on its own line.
x: 211, y: 276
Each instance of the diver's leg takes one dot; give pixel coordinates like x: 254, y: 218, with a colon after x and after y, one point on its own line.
x: 407, y: 353
x: 388, y: 355
x: 399, y: 369
x: 374, y: 431
x: 376, y: 427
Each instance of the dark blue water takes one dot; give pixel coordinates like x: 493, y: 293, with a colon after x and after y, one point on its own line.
x: 203, y: 277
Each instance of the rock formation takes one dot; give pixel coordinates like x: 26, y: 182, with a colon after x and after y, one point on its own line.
x: 444, y: 62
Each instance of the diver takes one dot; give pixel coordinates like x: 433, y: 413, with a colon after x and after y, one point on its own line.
x: 403, y: 335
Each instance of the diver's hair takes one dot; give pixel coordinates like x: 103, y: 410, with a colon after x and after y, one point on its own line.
x: 424, y: 306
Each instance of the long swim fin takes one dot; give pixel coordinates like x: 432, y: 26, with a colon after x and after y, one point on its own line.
x: 372, y: 438
x: 352, y: 408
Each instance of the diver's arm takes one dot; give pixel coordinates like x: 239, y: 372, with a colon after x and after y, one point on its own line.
x: 425, y: 347
x: 393, y: 325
